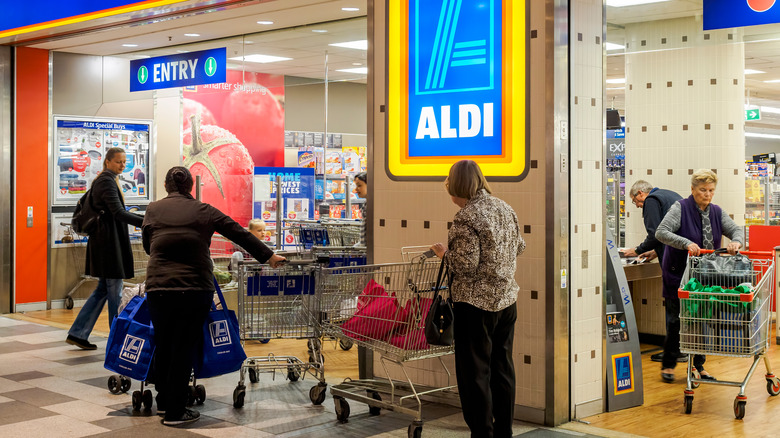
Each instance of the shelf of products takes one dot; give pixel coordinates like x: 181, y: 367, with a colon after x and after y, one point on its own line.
x: 616, y: 205
x: 762, y: 200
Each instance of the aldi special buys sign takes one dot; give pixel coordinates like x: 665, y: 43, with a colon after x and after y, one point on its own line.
x: 720, y: 14
x: 457, y: 87
x: 181, y: 70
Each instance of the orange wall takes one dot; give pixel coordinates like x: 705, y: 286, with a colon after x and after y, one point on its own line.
x: 32, y: 176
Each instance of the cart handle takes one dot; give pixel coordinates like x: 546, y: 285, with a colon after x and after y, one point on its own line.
x: 747, y: 253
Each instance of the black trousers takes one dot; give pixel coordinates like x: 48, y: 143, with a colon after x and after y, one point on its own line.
x: 484, y: 368
x: 672, y: 341
x: 178, y: 319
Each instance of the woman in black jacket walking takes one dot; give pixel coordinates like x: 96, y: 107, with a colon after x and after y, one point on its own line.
x: 177, y: 234
x: 109, y: 255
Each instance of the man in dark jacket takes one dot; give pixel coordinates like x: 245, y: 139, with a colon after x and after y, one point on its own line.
x: 655, y: 203
x: 109, y: 254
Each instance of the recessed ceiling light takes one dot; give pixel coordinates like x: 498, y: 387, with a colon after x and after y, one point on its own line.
x: 350, y: 9
x: 750, y: 71
x: 773, y: 81
x: 770, y: 110
x: 182, y: 51
x: 617, y: 88
x: 357, y: 63
x: 361, y: 70
x: 249, y: 42
x: 265, y: 22
x: 758, y: 135
x: 319, y: 30
x: 192, y: 34
x: 621, y: 3
x: 360, y: 45
x: 142, y: 56
x: 613, y: 46
x: 616, y: 81
x: 262, y: 59
x: 129, y: 45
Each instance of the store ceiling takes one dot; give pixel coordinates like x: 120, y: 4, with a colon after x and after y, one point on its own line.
x: 292, y: 35
x: 762, y: 52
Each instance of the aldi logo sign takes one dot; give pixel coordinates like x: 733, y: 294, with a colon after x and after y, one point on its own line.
x: 719, y: 14
x: 220, y: 335
x: 622, y: 373
x: 457, y: 87
x: 131, y: 349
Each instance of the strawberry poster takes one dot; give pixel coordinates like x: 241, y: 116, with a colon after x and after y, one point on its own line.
x: 230, y: 128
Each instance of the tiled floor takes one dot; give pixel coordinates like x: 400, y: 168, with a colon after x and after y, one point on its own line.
x: 51, y: 389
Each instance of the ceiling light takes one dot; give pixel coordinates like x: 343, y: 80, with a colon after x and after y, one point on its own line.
x: 773, y: 81
x: 319, y: 30
x: 129, y: 45
x: 357, y: 63
x: 360, y: 70
x: 182, y: 51
x: 616, y: 88
x: 770, y: 110
x: 622, y: 3
x: 750, y: 71
x: 249, y: 42
x: 616, y: 81
x: 758, y: 135
x: 265, y: 22
x: 262, y: 59
x: 192, y: 34
x: 360, y: 45
x: 613, y: 46
x: 350, y: 9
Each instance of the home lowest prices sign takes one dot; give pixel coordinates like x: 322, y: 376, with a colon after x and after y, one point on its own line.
x: 297, y: 197
x: 457, y: 87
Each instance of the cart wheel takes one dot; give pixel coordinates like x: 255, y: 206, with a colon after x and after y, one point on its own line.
x: 147, y: 399
x: 739, y: 408
x: 688, y: 404
x: 374, y: 410
x: 415, y: 429
x: 238, y: 396
x: 191, y: 395
x: 125, y: 382
x: 310, y: 345
x: 137, y: 400
x: 773, y: 387
x: 342, y: 409
x: 68, y: 302
x: 200, y: 394
x: 253, y: 375
x: 114, y: 385
x: 317, y: 393
x: 265, y: 340
x: 346, y: 344
x: 293, y: 374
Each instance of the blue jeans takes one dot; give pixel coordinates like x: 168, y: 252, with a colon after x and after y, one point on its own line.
x: 107, y: 289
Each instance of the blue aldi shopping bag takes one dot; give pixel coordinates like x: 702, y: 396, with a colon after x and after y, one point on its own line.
x: 222, y: 351
x: 131, y: 341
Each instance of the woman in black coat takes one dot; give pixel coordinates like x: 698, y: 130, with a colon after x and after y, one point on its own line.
x: 109, y: 255
x: 177, y: 234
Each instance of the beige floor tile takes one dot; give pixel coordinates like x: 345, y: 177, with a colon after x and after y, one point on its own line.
x: 48, y: 427
x: 81, y: 410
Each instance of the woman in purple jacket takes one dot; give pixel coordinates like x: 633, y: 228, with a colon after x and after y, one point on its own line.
x: 692, y: 224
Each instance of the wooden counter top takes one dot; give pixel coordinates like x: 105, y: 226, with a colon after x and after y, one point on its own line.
x: 642, y: 271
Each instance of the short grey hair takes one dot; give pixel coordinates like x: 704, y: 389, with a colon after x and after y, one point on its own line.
x: 640, y: 186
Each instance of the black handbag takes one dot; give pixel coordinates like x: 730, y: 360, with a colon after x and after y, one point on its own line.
x: 439, y: 328
x: 716, y: 269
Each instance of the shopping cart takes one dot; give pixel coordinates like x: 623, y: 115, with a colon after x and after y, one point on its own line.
x: 383, y: 308
x: 727, y: 316
x: 280, y: 303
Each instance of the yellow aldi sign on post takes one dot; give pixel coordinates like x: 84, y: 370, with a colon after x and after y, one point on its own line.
x: 457, y: 87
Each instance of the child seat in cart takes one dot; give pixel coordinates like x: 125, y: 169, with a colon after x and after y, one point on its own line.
x: 383, y: 308
x: 725, y: 311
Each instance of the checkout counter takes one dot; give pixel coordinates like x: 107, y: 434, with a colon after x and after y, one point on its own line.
x: 644, y: 282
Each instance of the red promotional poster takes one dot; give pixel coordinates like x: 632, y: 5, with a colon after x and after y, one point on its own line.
x: 241, y: 126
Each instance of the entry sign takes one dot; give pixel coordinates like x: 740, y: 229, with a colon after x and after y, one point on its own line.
x: 720, y: 14
x: 457, y: 87
x: 753, y: 114
x: 181, y: 70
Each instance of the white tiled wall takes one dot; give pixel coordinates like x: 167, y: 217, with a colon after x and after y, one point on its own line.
x: 587, y: 204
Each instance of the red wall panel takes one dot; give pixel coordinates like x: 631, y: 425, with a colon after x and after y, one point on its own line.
x: 32, y: 176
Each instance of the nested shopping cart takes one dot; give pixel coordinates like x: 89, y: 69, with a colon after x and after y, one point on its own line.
x: 383, y: 308
x: 280, y: 303
x: 727, y: 313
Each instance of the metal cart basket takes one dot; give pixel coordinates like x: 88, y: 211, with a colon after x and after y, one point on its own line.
x: 383, y: 308
x: 733, y: 322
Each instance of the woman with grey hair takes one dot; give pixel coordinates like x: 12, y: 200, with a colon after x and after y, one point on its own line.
x: 692, y: 224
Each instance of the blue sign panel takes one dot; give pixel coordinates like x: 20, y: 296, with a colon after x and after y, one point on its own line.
x: 624, y: 381
x: 455, y: 105
x: 182, y: 70
x: 719, y: 14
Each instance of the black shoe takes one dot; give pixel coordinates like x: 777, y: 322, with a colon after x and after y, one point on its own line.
x: 160, y: 412
x: 682, y: 358
x: 188, y: 416
x: 658, y: 357
x: 81, y: 343
x: 667, y: 377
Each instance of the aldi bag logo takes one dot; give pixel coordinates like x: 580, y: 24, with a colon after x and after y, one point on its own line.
x: 220, y: 335
x: 131, y: 349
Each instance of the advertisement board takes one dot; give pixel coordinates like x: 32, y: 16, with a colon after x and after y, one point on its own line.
x: 297, y: 196
x: 721, y: 14
x: 457, y: 87
x: 80, y: 144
